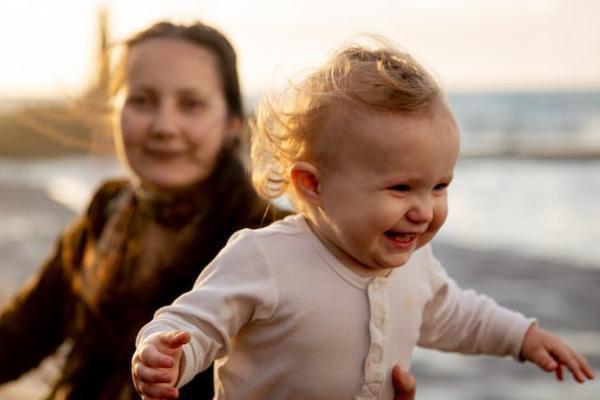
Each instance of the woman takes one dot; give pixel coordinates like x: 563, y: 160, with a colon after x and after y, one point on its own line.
x: 143, y: 241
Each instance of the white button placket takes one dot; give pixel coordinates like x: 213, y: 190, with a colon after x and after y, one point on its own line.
x: 374, y: 368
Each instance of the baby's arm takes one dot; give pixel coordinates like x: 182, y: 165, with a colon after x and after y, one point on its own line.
x: 550, y: 353
x: 467, y: 322
x: 235, y: 289
x: 155, y: 365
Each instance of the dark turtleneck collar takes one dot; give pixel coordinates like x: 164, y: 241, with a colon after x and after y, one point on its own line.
x: 176, y: 209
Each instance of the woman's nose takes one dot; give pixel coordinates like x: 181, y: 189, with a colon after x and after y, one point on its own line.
x: 164, y: 122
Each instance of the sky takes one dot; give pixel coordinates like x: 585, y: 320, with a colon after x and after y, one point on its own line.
x: 48, y: 47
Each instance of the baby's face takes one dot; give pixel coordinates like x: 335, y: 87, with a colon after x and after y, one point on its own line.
x: 385, y: 195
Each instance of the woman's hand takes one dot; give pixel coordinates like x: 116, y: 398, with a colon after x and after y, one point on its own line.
x: 155, y: 365
x: 405, y: 384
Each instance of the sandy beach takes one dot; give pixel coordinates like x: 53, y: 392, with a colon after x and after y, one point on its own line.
x: 563, y: 298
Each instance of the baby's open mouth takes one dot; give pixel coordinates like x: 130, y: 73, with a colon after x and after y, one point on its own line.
x: 400, y: 237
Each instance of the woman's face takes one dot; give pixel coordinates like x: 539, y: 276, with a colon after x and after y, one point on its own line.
x: 173, y: 113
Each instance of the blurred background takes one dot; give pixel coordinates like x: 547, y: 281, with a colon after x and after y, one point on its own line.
x: 523, y: 78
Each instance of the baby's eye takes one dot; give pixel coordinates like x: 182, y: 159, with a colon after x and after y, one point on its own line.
x: 441, y: 186
x: 400, y: 188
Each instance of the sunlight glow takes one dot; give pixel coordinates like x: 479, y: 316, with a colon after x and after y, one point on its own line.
x: 49, y: 47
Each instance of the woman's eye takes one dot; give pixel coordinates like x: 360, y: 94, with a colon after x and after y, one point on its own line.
x: 400, y: 188
x: 191, y: 104
x: 441, y: 186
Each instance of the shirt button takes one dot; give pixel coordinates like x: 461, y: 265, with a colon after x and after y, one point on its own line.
x: 377, y: 354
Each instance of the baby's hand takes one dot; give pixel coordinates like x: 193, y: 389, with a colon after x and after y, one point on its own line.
x: 550, y: 353
x: 155, y: 365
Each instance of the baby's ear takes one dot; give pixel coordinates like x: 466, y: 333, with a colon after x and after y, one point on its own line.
x: 305, y: 178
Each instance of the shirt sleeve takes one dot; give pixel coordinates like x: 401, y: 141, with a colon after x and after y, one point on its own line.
x: 238, y: 287
x: 467, y: 322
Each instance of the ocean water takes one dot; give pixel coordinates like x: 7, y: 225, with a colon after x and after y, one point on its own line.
x: 528, y: 123
x: 541, y: 208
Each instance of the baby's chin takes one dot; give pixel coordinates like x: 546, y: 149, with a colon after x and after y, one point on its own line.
x: 385, y: 265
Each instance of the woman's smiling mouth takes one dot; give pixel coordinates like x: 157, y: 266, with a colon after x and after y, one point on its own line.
x: 163, y: 154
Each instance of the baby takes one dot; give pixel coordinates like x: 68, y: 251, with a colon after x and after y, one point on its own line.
x: 322, y: 304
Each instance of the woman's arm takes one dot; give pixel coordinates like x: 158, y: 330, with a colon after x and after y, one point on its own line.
x: 32, y: 323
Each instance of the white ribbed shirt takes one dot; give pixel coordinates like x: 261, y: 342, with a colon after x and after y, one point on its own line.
x: 284, y: 319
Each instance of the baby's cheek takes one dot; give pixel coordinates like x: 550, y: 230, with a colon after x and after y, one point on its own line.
x: 440, y: 213
x: 384, y: 216
x: 433, y: 228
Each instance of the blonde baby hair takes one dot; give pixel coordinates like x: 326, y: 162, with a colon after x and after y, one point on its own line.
x: 290, y: 128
